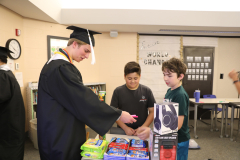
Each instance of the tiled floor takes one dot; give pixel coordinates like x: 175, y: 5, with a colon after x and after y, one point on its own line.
x: 212, y: 147
x: 30, y: 153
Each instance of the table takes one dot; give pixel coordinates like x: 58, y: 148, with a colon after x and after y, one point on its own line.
x: 233, y: 104
x: 109, y: 136
x: 210, y: 101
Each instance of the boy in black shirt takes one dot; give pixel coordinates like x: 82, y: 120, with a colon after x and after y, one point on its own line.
x: 134, y: 98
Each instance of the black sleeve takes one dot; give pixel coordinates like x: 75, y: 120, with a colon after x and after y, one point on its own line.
x: 67, y: 89
x: 114, y: 101
x: 151, y: 99
x: 5, y: 87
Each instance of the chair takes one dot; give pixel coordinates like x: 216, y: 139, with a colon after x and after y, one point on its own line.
x: 238, y: 130
x: 210, y: 108
x: 189, y: 110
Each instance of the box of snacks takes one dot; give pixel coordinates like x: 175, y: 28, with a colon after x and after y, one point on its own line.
x: 117, y: 149
x: 138, y: 150
x: 94, y: 148
x: 126, y: 149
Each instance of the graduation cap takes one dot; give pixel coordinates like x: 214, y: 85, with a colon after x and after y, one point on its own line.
x: 86, y: 36
x: 5, y: 52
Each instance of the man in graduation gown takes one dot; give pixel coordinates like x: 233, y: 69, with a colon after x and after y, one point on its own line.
x: 65, y: 105
x: 12, y: 113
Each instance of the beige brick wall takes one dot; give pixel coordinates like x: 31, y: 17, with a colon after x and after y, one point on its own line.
x: 111, y: 53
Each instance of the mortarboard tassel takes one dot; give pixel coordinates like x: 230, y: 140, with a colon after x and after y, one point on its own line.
x: 93, y: 55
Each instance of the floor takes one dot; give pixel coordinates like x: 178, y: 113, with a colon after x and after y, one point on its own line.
x: 212, y: 147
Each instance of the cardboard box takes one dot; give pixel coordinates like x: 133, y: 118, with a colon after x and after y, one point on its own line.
x: 165, y: 118
x: 113, y: 157
x: 136, y: 158
x: 126, y: 157
x: 164, y: 147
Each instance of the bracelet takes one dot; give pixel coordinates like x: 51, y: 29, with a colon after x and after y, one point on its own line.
x: 235, y: 81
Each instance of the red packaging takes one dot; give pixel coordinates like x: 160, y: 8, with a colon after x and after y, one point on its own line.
x: 168, y: 154
x: 138, y: 149
x: 118, y: 145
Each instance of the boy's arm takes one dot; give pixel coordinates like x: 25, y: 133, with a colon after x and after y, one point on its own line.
x: 129, y: 131
x: 180, y: 121
x: 121, y: 124
x: 150, y: 117
x: 148, y: 120
x: 150, y: 104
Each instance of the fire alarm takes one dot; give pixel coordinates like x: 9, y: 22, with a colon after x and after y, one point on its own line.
x: 18, y: 32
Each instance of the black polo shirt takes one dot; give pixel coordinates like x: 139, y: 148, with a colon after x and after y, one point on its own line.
x: 136, y: 102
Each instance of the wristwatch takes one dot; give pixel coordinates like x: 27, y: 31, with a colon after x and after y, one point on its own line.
x: 235, y: 81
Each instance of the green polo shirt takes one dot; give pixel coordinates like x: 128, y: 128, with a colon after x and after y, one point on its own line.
x: 180, y: 96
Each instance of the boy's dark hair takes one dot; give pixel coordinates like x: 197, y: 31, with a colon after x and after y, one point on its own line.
x: 3, y: 59
x: 132, y: 67
x: 175, y: 65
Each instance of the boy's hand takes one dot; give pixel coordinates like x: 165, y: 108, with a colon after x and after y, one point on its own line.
x: 127, y: 118
x: 143, y: 132
x: 129, y: 131
x: 137, y: 130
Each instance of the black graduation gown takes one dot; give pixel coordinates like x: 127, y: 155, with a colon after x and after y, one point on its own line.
x: 12, y: 118
x: 65, y: 105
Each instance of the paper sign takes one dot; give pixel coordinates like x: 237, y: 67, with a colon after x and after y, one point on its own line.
x: 10, y: 63
x: 197, y: 77
x: 19, y: 78
x: 197, y: 71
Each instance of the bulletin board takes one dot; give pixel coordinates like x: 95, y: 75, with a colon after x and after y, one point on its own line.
x: 153, y: 51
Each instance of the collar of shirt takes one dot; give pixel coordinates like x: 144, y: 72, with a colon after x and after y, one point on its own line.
x: 4, y: 67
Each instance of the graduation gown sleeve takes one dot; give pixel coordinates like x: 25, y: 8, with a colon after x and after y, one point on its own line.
x: 5, y: 89
x: 12, y: 118
x: 66, y: 87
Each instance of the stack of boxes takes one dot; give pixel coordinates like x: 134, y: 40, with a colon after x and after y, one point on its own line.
x: 165, y: 127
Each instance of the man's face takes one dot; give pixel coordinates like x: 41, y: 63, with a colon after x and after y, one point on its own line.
x: 132, y: 80
x: 81, y: 52
x: 171, y: 79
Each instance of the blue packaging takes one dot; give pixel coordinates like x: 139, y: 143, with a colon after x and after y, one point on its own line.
x: 138, y: 143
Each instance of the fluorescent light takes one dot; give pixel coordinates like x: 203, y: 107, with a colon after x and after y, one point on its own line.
x: 183, y: 5
x: 196, y: 31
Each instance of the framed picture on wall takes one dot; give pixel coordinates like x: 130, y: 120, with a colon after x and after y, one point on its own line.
x: 54, y: 43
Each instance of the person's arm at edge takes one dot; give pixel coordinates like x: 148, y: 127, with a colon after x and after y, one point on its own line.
x: 234, y: 76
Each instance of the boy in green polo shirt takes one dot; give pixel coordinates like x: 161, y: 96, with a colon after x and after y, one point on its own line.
x: 174, y: 71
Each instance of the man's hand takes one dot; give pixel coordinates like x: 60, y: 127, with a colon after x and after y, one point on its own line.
x: 127, y: 118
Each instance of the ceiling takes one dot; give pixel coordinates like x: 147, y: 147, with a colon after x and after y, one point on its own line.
x: 131, y: 20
